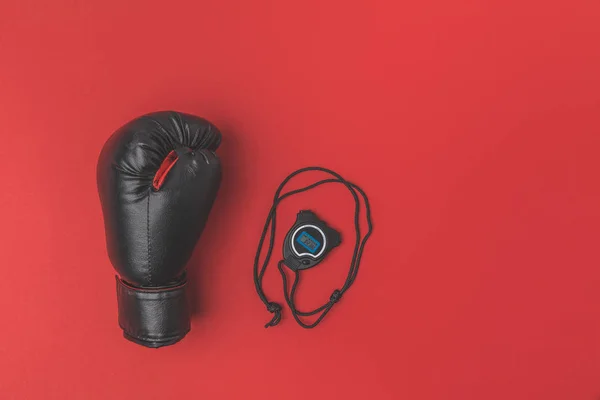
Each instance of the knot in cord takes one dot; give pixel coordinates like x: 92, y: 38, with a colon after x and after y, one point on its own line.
x: 273, y: 308
x: 335, y: 296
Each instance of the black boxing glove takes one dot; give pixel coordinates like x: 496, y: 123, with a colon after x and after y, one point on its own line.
x: 158, y: 177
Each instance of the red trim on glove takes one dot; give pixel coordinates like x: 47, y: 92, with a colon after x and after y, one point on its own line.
x: 164, y: 169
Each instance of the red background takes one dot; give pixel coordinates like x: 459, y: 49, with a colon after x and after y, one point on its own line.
x: 473, y: 126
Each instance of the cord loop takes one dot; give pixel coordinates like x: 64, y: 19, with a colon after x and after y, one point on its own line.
x: 270, y: 226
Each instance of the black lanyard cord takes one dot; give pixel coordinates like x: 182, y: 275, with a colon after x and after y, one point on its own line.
x: 275, y: 308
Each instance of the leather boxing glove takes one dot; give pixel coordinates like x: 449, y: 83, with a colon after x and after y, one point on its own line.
x: 157, y: 178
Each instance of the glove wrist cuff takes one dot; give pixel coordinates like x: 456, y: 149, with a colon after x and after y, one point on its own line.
x: 153, y: 317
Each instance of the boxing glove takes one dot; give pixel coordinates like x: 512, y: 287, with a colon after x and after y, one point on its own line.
x: 157, y: 178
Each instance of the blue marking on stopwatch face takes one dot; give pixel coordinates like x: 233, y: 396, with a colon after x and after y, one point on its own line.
x: 308, y: 242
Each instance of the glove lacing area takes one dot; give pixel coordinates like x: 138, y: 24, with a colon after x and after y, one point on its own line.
x: 275, y: 308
